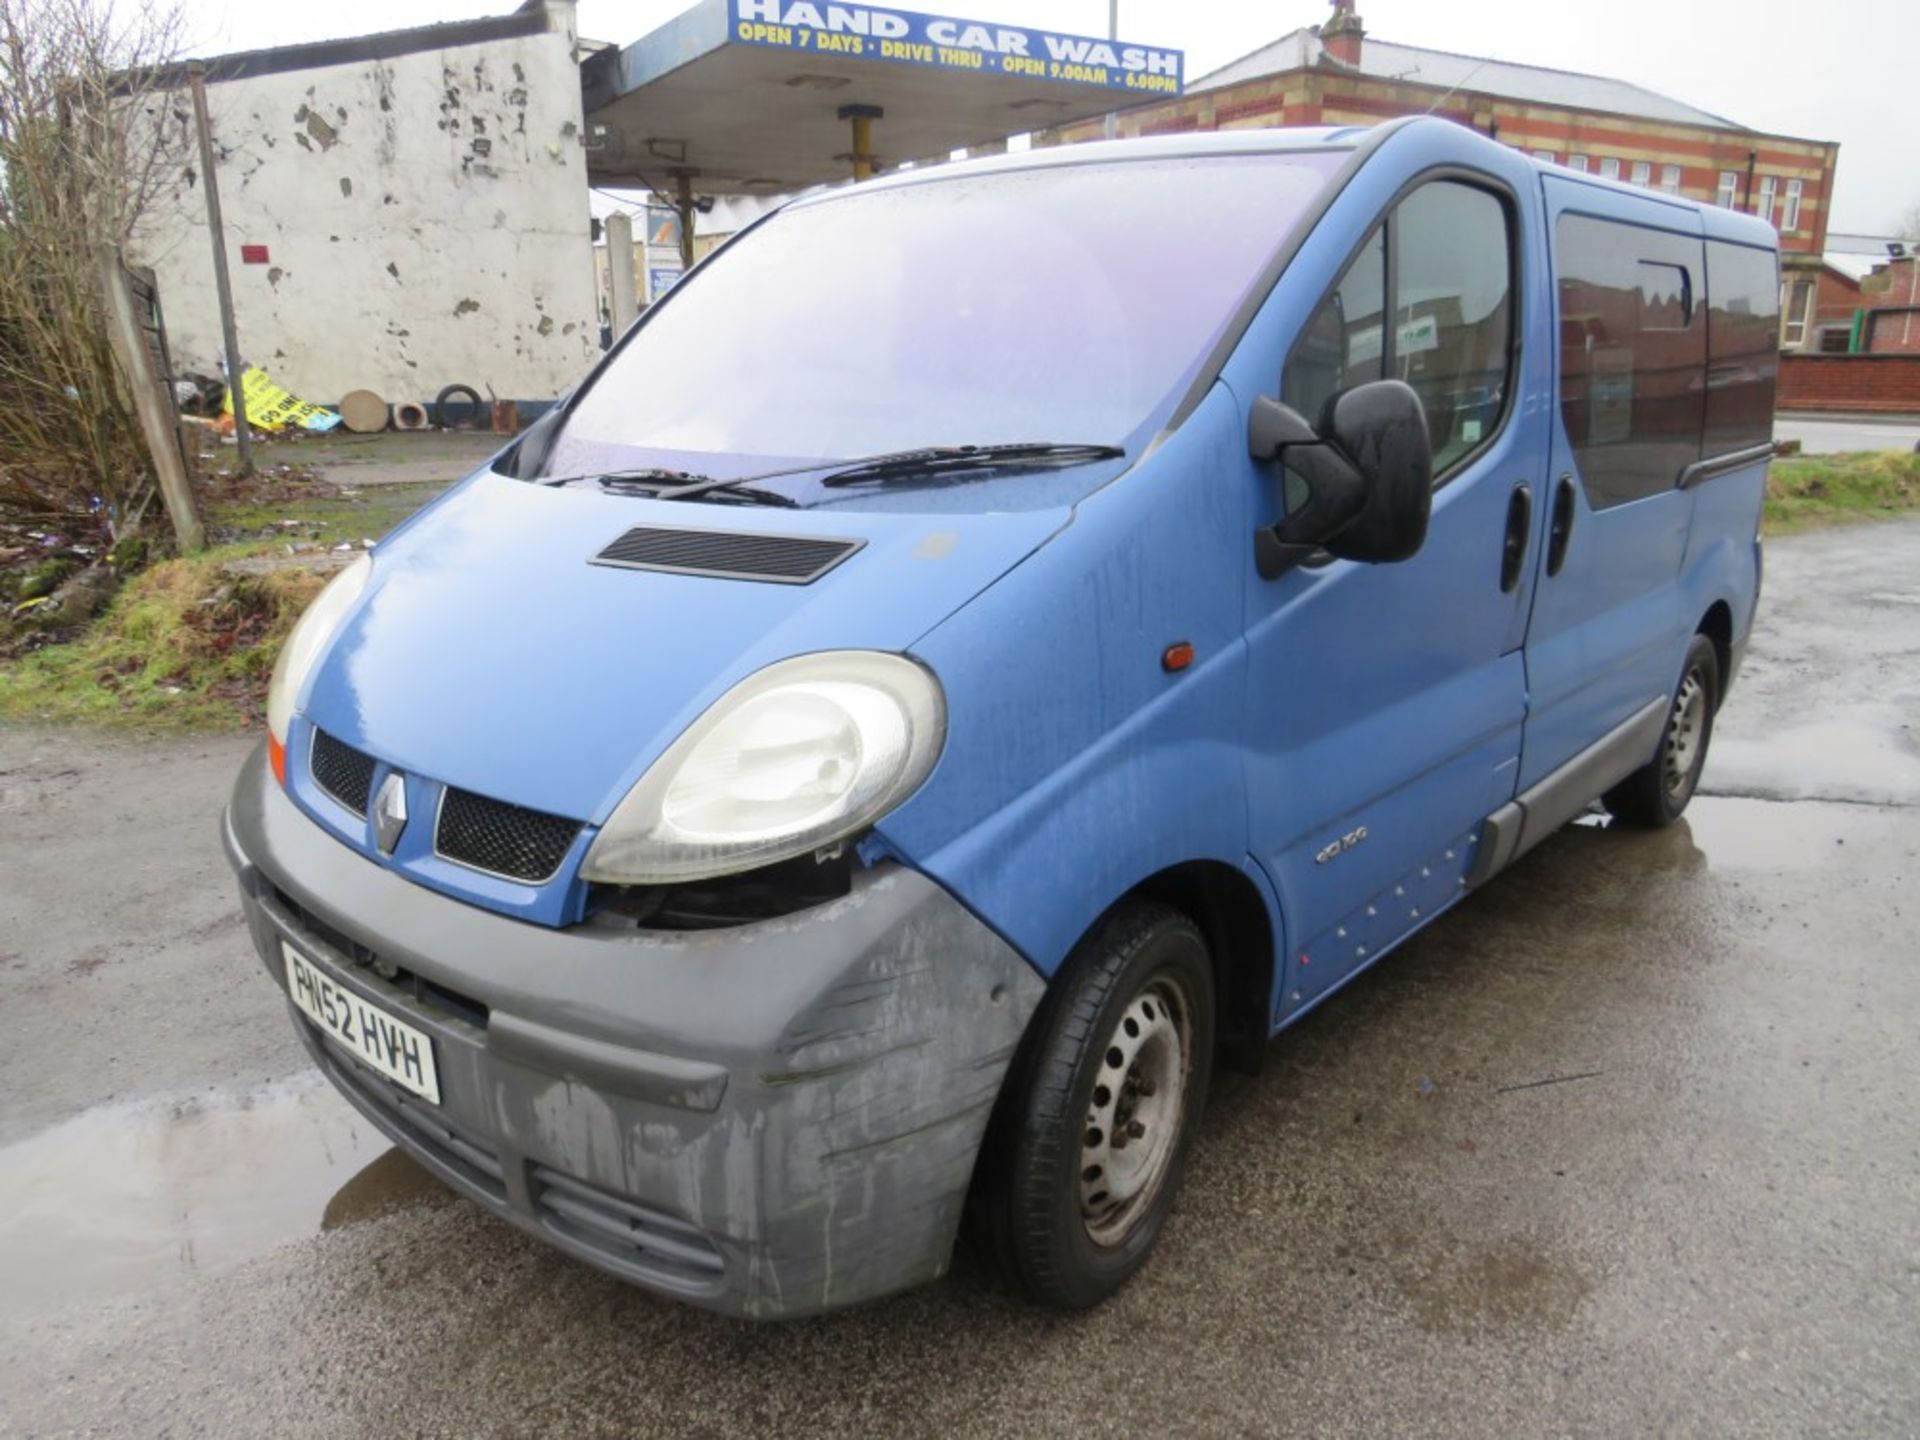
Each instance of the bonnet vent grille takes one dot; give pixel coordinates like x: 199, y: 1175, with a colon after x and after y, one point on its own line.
x: 731, y: 554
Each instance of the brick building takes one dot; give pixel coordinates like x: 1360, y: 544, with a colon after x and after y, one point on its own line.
x: 1337, y: 74
x: 1851, y: 330
x: 1864, y: 299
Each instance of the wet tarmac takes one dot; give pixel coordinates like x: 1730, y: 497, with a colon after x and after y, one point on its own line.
x: 1628, y: 1143
x: 128, y: 1198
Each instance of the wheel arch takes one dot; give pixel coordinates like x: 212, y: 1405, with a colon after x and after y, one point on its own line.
x: 1232, y: 916
x: 1717, y: 626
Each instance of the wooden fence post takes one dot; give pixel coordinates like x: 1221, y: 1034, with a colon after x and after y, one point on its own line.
x: 156, y: 420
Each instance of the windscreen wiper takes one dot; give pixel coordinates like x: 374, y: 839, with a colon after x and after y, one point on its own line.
x: 655, y: 481
x: 663, y: 484
x: 941, y: 460
x: 927, y: 460
x: 637, y: 475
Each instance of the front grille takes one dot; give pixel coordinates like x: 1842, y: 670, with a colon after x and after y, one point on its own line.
x: 419, y: 1124
x: 733, y: 555
x: 506, y: 840
x: 342, y: 771
x: 631, y: 1235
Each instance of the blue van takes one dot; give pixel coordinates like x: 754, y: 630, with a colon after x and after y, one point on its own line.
x: 993, y: 644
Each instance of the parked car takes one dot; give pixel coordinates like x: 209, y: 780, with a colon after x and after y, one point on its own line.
x: 991, y: 645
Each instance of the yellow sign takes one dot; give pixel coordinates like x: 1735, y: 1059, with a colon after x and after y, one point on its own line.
x: 271, y: 408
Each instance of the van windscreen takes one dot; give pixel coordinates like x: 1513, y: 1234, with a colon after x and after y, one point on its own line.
x: 1058, y: 303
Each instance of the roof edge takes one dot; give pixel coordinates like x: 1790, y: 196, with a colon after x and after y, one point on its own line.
x: 1331, y: 62
x: 528, y: 19
x: 1731, y: 127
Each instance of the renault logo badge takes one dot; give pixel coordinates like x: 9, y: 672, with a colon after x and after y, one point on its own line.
x: 390, y: 812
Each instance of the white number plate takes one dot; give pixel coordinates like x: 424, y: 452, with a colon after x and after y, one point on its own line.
x: 393, y: 1047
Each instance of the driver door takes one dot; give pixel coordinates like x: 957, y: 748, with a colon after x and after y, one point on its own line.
x: 1385, y: 702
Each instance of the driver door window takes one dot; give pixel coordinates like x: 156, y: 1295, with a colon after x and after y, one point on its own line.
x: 1341, y: 346
x: 1441, y: 266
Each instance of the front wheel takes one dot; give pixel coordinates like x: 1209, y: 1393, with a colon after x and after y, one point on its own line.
x: 1091, y: 1137
x: 1656, y: 793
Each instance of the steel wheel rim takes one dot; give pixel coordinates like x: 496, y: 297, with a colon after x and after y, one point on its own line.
x: 1686, y: 731
x: 1136, y: 1109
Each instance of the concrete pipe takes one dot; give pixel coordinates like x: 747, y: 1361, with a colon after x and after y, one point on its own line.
x: 363, y: 412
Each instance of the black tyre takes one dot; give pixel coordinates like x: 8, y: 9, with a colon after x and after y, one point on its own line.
x: 1657, y: 793
x: 447, y: 417
x: 1093, y: 1128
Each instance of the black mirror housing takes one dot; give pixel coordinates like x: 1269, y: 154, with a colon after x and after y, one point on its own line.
x: 1368, y: 468
x: 1382, y: 428
x: 1273, y: 426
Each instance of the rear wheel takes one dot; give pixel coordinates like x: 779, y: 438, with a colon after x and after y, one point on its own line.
x: 1091, y: 1137
x: 1658, y: 792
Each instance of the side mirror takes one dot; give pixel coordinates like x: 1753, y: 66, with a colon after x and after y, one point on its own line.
x: 1368, y: 468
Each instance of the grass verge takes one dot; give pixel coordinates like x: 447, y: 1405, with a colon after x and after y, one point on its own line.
x: 187, y: 646
x: 183, y: 646
x: 1805, y: 492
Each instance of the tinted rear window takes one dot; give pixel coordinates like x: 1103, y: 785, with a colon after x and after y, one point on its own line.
x: 1743, y: 337
x: 1633, y: 350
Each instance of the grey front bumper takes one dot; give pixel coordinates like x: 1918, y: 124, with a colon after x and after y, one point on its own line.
x: 769, y: 1120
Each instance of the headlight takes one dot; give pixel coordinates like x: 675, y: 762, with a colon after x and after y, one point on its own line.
x: 802, y: 754
x: 305, y: 641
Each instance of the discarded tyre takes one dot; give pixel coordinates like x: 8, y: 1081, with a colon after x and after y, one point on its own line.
x: 448, y: 417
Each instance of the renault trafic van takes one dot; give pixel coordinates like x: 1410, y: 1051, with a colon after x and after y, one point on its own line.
x: 991, y: 645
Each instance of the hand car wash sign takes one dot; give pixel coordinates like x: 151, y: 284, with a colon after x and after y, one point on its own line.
x: 948, y: 44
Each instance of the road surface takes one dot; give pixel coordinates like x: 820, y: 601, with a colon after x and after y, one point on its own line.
x: 1828, y: 435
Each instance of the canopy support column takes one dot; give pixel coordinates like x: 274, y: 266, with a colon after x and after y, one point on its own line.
x: 862, y: 117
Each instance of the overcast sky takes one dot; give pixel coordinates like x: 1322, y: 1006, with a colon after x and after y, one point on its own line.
x: 1841, y: 70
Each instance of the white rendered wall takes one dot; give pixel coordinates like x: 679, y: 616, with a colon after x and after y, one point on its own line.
x: 425, y: 216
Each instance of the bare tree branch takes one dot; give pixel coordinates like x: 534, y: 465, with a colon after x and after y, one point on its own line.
x: 84, y: 145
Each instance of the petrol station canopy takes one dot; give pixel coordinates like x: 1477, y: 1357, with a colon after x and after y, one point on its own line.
x: 765, y: 96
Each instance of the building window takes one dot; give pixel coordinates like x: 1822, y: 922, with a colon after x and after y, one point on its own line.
x: 1577, y: 162
x: 1642, y: 173
x: 1763, y: 205
x: 1729, y: 190
x: 1546, y: 155
x: 1790, y: 220
x: 1796, y: 310
x: 1670, y: 179
x: 1609, y: 167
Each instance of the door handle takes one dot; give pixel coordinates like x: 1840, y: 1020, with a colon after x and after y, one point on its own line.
x: 1513, y: 552
x: 1560, y: 529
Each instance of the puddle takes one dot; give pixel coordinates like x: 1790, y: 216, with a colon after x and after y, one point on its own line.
x: 1771, y: 835
x: 1871, y: 758
x: 130, y: 1197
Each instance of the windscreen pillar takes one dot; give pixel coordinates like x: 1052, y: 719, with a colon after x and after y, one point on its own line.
x: 619, y: 232
x: 862, y: 117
